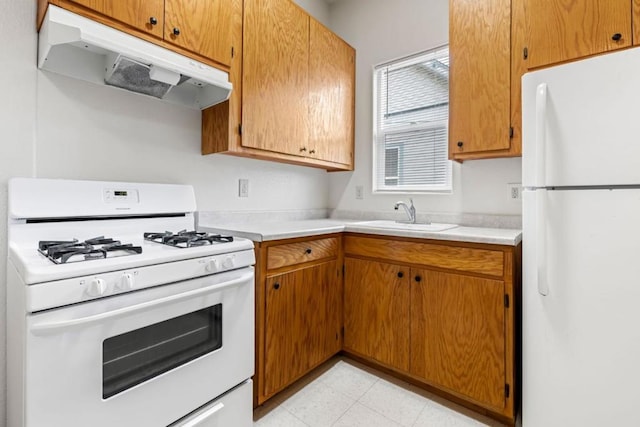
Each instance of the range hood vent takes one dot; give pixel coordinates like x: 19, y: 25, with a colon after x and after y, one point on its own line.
x: 78, y: 47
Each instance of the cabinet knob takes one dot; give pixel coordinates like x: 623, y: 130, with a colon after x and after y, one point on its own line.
x: 400, y: 274
x: 418, y: 279
x: 312, y: 151
x: 153, y: 21
x: 616, y: 37
x: 307, y: 251
x: 460, y: 144
x: 303, y: 149
x: 276, y: 286
x: 176, y: 31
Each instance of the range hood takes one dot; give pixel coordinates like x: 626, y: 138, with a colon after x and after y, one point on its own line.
x: 78, y: 47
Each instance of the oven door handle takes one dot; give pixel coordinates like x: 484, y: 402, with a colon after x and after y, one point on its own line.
x: 48, y: 328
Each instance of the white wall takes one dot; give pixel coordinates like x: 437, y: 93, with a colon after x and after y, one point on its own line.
x: 55, y: 127
x: 381, y: 30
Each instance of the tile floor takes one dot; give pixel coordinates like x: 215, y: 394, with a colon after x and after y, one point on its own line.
x: 344, y: 393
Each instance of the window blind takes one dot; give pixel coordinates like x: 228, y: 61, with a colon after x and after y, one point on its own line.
x: 411, y: 111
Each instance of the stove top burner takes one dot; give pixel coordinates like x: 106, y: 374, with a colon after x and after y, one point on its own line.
x: 187, y: 239
x: 63, y: 251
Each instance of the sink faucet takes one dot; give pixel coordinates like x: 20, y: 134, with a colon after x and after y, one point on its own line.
x: 410, y: 210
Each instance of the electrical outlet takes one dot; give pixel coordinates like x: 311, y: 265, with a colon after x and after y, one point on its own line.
x: 243, y: 188
x: 514, y: 191
x: 359, y: 192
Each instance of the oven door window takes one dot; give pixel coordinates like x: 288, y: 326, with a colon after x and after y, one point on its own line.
x: 137, y: 356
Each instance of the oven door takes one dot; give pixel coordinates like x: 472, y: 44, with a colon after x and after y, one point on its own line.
x: 144, y: 358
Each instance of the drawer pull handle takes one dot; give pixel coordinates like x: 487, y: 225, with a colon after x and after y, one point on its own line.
x: 460, y: 144
x: 418, y: 278
x: 276, y: 286
x: 303, y: 149
x: 400, y: 274
x: 153, y: 21
x: 307, y: 251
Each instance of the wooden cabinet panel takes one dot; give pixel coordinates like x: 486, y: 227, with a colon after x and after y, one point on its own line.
x: 376, y: 311
x: 635, y: 22
x: 483, y: 261
x: 458, y: 334
x: 562, y: 30
x: 137, y: 13
x: 302, y: 324
x: 331, y: 96
x: 275, y: 82
x: 204, y: 26
x: 480, y: 89
x: 296, y: 253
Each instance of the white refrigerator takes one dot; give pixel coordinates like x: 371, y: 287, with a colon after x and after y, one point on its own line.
x: 581, y: 243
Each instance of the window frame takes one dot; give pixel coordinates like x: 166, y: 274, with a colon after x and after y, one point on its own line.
x: 447, y: 187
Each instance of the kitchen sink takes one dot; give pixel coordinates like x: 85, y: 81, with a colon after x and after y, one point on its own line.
x: 432, y: 227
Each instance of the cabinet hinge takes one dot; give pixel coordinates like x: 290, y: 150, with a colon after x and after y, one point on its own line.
x: 506, y: 301
x: 506, y: 390
x: 342, y: 270
x: 342, y: 331
x: 233, y: 52
x: 525, y: 53
x: 240, y: 129
x: 511, y: 132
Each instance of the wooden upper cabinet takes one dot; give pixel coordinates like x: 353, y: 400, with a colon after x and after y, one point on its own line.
x: 202, y: 26
x: 480, y: 78
x: 562, y: 30
x: 145, y: 15
x: 331, y: 95
x: 458, y: 328
x: 275, y: 114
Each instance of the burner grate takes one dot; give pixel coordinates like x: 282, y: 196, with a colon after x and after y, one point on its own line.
x: 61, y: 251
x: 187, y: 239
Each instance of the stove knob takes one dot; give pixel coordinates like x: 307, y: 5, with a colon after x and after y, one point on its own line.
x: 228, y: 262
x: 96, y: 288
x: 212, y: 265
x: 126, y: 282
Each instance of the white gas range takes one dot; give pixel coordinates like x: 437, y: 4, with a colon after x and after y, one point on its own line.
x: 119, y: 313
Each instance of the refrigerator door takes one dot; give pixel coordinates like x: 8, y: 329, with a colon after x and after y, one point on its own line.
x: 584, y: 128
x: 581, y: 342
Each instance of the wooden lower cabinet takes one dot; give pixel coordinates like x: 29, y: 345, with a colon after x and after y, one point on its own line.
x: 457, y: 334
x: 454, y: 331
x: 376, y: 311
x: 303, y: 322
x: 299, y: 291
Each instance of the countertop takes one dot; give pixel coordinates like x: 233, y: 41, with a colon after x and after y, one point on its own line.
x: 266, y: 231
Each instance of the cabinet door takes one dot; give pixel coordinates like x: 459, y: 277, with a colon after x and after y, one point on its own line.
x: 275, y: 106
x: 480, y: 88
x: 561, y: 30
x: 203, y: 27
x: 331, y: 96
x: 138, y: 13
x: 376, y: 311
x: 458, y: 334
x: 635, y: 18
x: 303, y: 322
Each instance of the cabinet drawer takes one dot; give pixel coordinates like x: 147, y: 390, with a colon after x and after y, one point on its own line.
x: 296, y: 253
x: 481, y: 261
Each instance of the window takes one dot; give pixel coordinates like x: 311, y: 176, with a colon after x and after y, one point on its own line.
x: 411, y: 107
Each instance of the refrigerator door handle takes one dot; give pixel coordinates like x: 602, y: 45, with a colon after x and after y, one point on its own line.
x: 541, y: 134
x: 541, y: 244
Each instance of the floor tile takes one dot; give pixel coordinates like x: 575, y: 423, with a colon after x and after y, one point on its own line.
x: 318, y: 405
x: 436, y: 415
x: 361, y: 416
x: 279, y: 417
x: 349, y: 380
x: 394, y: 402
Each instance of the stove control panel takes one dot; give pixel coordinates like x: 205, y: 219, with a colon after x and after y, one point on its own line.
x: 86, y: 288
x: 126, y: 196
